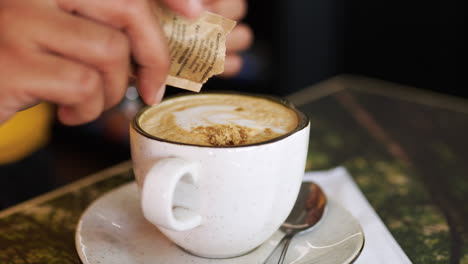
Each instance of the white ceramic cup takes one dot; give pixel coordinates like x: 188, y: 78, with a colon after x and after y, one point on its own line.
x: 219, y: 202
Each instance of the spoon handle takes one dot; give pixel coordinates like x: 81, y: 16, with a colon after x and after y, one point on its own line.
x: 282, y: 256
x: 280, y: 243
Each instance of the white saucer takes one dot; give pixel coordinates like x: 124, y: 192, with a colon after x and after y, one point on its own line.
x: 113, y: 230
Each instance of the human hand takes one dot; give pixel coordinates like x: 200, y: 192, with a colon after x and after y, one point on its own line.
x: 75, y: 53
x: 240, y: 38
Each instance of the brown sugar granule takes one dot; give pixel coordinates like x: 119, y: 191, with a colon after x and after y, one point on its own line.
x: 224, y: 135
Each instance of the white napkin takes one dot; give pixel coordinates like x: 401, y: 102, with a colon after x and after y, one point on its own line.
x: 380, y: 246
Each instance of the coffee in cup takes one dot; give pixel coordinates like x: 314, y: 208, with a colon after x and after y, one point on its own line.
x: 219, y: 173
x: 218, y: 120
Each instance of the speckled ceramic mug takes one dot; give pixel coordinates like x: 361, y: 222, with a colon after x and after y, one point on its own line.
x: 219, y: 202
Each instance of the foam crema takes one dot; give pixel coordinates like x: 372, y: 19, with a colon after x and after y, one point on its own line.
x: 218, y: 119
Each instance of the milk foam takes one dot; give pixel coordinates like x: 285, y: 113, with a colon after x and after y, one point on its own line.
x: 191, y: 119
x: 207, y: 115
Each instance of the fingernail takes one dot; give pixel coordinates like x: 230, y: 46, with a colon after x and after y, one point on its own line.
x: 159, y: 95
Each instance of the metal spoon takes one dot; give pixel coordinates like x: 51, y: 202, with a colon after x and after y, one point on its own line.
x: 306, y: 213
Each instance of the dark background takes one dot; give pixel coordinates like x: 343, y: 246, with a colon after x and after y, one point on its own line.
x: 299, y: 43
x: 418, y: 43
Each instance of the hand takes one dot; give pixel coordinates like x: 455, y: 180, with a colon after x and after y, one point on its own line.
x: 75, y: 53
x: 240, y: 38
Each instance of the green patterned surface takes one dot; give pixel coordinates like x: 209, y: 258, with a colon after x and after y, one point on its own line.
x: 397, y: 186
x: 407, y: 158
x: 45, y: 233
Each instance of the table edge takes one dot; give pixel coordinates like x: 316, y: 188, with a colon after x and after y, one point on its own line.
x: 378, y: 87
x: 86, y: 181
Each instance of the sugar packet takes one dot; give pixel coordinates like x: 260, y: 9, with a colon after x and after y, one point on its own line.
x: 197, y: 47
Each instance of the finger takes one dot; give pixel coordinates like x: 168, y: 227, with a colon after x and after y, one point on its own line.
x: 232, y: 66
x: 38, y: 76
x: 187, y: 8
x: 99, y: 46
x: 29, y: 76
x: 84, y: 112
x: 89, y: 102
x: 239, y: 39
x: 76, y: 88
x: 147, y: 41
x: 232, y: 9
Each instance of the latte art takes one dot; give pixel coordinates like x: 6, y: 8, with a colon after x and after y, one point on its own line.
x: 218, y: 119
x: 209, y: 115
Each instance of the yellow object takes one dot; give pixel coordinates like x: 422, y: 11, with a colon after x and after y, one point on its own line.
x: 25, y: 133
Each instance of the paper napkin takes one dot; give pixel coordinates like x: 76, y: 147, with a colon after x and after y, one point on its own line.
x: 380, y: 246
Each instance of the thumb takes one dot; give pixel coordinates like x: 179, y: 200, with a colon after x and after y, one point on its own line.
x: 187, y: 8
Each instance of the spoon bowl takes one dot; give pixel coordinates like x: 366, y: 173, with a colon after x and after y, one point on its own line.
x: 308, y: 209
x: 306, y: 214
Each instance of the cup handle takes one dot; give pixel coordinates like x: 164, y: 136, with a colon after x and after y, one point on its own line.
x: 159, y: 190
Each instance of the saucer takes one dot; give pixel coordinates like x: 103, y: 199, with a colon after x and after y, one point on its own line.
x: 113, y: 230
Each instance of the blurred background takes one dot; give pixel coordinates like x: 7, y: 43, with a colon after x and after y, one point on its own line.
x: 297, y: 43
